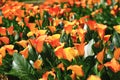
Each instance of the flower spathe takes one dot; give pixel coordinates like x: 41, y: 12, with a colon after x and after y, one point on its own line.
x: 93, y: 77
x: 114, y: 65
x: 76, y: 69
x: 57, y: 37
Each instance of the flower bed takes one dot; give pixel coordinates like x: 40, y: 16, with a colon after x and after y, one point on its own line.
x: 63, y: 40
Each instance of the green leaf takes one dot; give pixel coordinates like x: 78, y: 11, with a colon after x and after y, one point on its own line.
x: 112, y: 75
x: 88, y: 64
x: 67, y: 39
x: 6, y: 65
x: 104, y: 74
x: 58, y: 74
x: 65, y: 62
x: 25, y: 31
x: 116, y: 39
x: 118, y: 20
x: 33, y: 55
x: 67, y: 77
x: 48, y: 56
x: 21, y: 68
x: 50, y: 77
x: 97, y: 49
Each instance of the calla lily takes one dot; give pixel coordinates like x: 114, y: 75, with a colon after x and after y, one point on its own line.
x: 52, y: 28
x: 5, y: 40
x: 54, y: 40
x: 80, y: 48
x: 23, y: 43
x: 106, y: 38
x: 117, y: 28
x: 2, y: 52
x: 117, y: 53
x: 45, y: 75
x: 101, y: 30
x: 0, y: 19
x: 113, y: 65
x: 92, y: 24
x: 37, y: 64
x: 10, y: 30
x: 61, y: 66
x: 10, y: 51
x: 100, y: 56
x: 70, y: 53
x: 2, y: 31
x: 25, y: 52
x: 59, y: 52
x: 76, y: 69
x: 0, y: 59
x: 93, y: 77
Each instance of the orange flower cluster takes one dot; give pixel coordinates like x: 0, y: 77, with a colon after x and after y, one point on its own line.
x: 62, y: 31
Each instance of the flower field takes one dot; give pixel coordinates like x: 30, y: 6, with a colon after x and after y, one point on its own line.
x: 60, y: 40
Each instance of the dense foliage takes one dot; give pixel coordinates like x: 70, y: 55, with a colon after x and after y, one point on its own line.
x: 60, y: 40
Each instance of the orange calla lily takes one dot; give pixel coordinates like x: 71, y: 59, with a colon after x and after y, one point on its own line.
x: 100, y: 56
x: 59, y: 52
x: 9, y: 46
x: 40, y: 32
x: 19, y: 19
x: 81, y: 33
x: 80, y: 48
x: 45, y: 75
x: 36, y: 32
x: 0, y: 60
x: 117, y: 53
x: 2, y: 31
x: 113, y: 65
x: 23, y: 43
x: 32, y: 42
x: 37, y: 64
x: 25, y: 52
x: 93, y: 77
x: 52, y: 28
x: 74, y: 36
x: 20, y: 13
x: 92, y: 24
x: 2, y: 52
x: 83, y: 3
x: 101, y: 30
x: 76, y: 69
x: 68, y: 28
x: 31, y: 33
x: 26, y: 20
x: 54, y: 40
x: 117, y: 28
x: 96, y: 12
x: 31, y: 26
x: 10, y: 49
x: 56, y: 22
x: 71, y: 2
x: 39, y: 22
x: 70, y: 53
x: 10, y: 30
x: 109, y: 2
x: 83, y: 19
x: 0, y: 19
x: 39, y: 43
x: 5, y: 40
x: 61, y: 66
x: 77, y: 3
x: 106, y: 38
x: 100, y: 67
